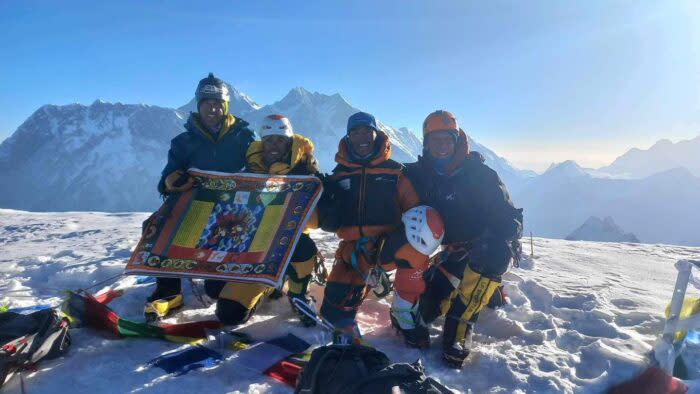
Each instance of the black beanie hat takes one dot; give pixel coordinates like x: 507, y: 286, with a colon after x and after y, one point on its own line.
x: 211, y: 87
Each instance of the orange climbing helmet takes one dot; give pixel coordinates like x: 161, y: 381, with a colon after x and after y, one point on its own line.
x: 440, y: 121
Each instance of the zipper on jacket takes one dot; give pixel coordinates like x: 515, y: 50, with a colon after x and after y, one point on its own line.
x: 361, y: 202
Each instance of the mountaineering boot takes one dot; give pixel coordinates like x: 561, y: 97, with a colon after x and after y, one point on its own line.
x: 456, y: 341
x: 305, y: 320
x: 276, y: 294
x: 297, y: 288
x: 406, y: 319
x: 161, y: 308
x: 166, y: 298
x: 416, y: 337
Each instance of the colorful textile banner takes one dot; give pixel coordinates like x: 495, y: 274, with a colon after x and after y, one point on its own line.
x: 262, y: 355
x: 189, y: 359
x: 87, y: 311
x: 241, y: 227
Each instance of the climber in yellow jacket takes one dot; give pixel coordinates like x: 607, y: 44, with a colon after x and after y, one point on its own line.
x: 280, y: 152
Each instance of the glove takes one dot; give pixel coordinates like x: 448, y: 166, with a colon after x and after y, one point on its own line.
x: 178, y: 181
x: 490, y: 257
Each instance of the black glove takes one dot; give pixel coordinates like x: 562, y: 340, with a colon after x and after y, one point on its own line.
x: 490, y: 257
x: 327, y: 205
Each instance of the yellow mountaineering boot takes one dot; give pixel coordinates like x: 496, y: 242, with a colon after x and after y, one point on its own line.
x: 159, y: 309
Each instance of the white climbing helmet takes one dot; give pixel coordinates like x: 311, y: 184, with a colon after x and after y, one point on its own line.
x: 276, y: 125
x: 424, y: 228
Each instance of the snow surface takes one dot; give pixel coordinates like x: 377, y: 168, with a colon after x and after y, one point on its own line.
x: 581, y: 318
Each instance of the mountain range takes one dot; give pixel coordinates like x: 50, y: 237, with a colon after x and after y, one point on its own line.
x: 102, y: 157
x: 663, y: 155
x: 108, y: 157
x: 661, y: 208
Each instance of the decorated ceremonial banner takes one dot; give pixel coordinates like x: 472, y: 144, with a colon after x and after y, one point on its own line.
x: 241, y: 227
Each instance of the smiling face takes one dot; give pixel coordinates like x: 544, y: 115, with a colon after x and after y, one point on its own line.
x: 211, y: 112
x: 275, y: 147
x: 362, y: 140
x: 440, y: 144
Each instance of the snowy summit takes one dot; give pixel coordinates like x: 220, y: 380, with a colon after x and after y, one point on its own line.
x: 581, y: 316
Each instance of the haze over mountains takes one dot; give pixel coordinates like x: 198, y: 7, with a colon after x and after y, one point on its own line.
x: 663, y: 155
x: 661, y: 208
x: 108, y: 157
x: 605, y: 230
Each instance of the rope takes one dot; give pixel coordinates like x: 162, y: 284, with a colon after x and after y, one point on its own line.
x: 360, y: 248
x: 197, y: 294
x: 21, y: 383
x: 110, y: 279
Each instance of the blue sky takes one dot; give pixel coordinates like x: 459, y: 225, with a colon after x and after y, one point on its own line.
x: 537, y: 81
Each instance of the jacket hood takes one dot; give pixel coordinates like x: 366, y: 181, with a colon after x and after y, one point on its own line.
x: 461, y: 153
x: 300, y: 152
x: 382, y: 153
x: 194, y: 124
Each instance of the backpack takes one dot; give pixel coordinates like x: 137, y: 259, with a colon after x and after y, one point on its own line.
x: 26, y: 339
x: 349, y: 369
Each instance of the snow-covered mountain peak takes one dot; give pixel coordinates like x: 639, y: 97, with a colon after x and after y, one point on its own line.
x: 323, y: 118
x: 238, y: 96
x: 663, y: 155
x: 239, y: 104
x: 73, y: 146
x: 418, y: 135
x: 339, y: 97
x: 568, y: 168
x: 105, y: 156
x: 661, y: 144
x: 299, y: 92
x: 606, y: 230
x: 299, y: 96
x: 677, y: 173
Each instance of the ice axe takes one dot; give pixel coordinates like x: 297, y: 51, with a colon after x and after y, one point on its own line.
x: 658, y: 377
x: 309, y: 311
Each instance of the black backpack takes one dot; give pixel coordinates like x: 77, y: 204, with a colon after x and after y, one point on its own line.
x: 26, y: 339
x: 350, y: 369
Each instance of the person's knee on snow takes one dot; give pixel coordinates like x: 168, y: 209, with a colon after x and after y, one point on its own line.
x: 232, y: 313
x: 213, y: 288
x: 237, y: 301
x: 481, y: 279
x: 441, y: 279
x: 405, y: 313
x: 408, y: 250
